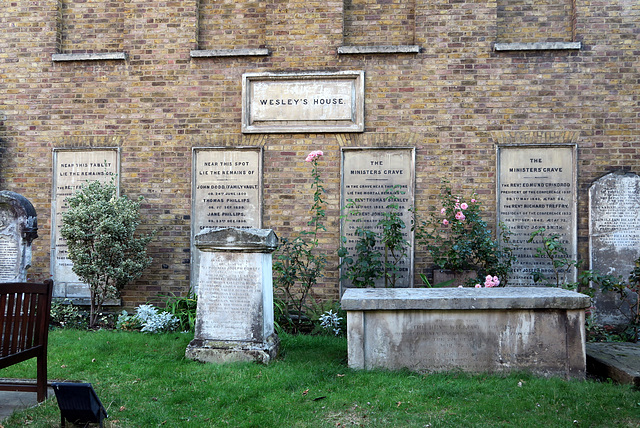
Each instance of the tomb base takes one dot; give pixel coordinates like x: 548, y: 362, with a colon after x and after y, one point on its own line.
x: 540, y: 330
x: 220, y: 351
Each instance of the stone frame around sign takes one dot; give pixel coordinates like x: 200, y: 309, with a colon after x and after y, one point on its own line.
x: 255, y: 220
x: 571, y: 218
x: 409, y: 153
x: 67, y: 282
x: 298, y: 111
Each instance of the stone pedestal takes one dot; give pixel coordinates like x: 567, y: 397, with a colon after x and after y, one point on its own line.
x: 474, y: 330
x: 18, y: 228
x: 234, y: 321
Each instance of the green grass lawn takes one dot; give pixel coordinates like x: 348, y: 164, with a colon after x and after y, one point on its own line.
x: 144, y: 381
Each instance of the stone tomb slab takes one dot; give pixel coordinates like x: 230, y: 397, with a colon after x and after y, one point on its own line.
x: 475, y: 330
x: 617, y: 361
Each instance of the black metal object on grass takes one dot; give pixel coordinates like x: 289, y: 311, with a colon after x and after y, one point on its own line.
x: 78, y: 403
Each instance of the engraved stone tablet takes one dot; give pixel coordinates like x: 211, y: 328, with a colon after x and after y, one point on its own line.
x: 303, y: 102
x: 234, y: 321
x: 72, y: 168
x: 368, y: 175
x: 227, y: 192
x: 614, y: 236
x: 536, y: 188
x: 18, y: 228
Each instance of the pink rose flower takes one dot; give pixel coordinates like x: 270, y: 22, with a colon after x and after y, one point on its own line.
x: 314, y: 155
x: 443, y: 211
x: 445, y: 222
x: 460, y: 216
x: 464, y: 206
x: 478, y: 286
x: 473, y: 201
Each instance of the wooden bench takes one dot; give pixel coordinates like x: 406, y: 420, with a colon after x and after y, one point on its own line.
x: 25, y: 309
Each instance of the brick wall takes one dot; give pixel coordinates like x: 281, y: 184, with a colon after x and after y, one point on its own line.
x: 452, y: 101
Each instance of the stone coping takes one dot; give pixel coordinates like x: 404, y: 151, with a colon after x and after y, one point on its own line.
x: 500, y: 298
x: 236, y: 239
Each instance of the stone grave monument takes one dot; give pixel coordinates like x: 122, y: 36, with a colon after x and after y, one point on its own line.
x: 614, y: 237
x: 234, y: 320
x: 18, y: 228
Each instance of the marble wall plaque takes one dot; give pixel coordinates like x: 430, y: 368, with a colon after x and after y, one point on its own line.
x: 227, y: 192
x: 367, y: 176
x: 614, y: 236
x: 71, y: 169
x: 303, y: 102
x: 537, y: 188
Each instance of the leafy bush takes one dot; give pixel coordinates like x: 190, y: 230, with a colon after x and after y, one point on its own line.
x: 298, y: 263
x: 148, y: 319
x: 99, y: 228
x: 184, y: 309
x: 458, y: 239
x: 65, y: 315
x: 368, y: 264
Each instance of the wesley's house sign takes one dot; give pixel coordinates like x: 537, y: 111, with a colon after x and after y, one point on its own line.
x: 303, y: 102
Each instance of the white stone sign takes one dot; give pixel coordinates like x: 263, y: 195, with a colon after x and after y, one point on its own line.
x: 73, y: 168
x: 537, y: 188
x: 227, y: 192
x: 303, y: 102
x: 369, y: 178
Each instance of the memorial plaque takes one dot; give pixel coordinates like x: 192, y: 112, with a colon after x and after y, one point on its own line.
x: 73, y: 168
x: 231, y: 296
x: 9, y: 259
x: 369, y: 178
x: 614, y: 236
x: 227, y: 192
x: 303, y: 102
x: 536, y: 188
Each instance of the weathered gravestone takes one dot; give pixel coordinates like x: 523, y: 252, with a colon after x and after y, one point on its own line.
x: 614, y: 238
x: 234, y: 320
x: 18, y: 228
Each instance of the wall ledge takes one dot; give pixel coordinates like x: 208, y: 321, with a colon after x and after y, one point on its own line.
x: 541, y: 46
x: 95, y: 56
x: 355, y: 50
x: 214, y: 53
